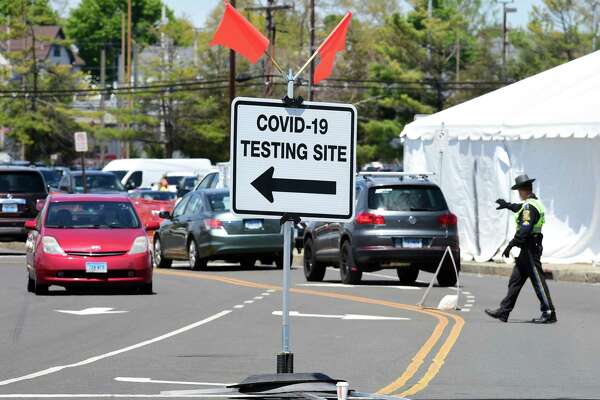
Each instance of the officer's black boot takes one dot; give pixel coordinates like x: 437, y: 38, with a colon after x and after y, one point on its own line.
x: 547, y: 317
x: 498, y: 314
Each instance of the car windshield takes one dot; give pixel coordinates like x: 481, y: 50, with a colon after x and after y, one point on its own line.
x: 51, y: 176
x: 406, y: 198
x: 99, y: 183
x: 155, y: 195
x: 92, y: 214
x: 189, y: 182
x: 21, y: 182
x: 219, y: 201
x: 119, y: 174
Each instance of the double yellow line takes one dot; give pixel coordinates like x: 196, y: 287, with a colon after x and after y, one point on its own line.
x: 396, y: 387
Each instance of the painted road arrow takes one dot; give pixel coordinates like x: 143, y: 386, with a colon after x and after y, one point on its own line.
x: 266, y: 185
x: 92, y: 311
x: 355, y: 317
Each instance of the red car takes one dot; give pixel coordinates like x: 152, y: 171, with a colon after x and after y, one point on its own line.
x: 87, y: 239
x: 150, y: 203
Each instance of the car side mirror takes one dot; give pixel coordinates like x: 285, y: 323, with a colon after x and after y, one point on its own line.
x: 39, y: 204
x: 164, y: 215
x: 130, y: 185
x: 152, y: 225
x: 31, y: 224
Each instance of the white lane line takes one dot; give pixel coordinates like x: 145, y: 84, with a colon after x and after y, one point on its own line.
x: 90, y: 360
x: 381, y: 275
x: 258, y: 298
x: 265, y: 294
x: 249, y: 301
x: 355, y: 317
x: 465, y: 310
x: 468, y: 305
x: 92, y: 311
x: 467, y: 292
x: 238, y: 306
x: 271, y: 290
x: 150, y: 380
x: 341, y: 285
x: 470, y: 296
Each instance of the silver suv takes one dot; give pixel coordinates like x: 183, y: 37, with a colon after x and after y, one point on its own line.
x: 401, y: 222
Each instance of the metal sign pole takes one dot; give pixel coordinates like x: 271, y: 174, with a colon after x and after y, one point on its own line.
x: 285, y: 360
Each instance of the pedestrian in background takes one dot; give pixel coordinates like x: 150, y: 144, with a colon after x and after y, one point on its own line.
x: 163, y: 185
x: 529, y: 218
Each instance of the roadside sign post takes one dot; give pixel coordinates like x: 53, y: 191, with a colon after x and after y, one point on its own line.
x: 81, y: 147
x: 292, y: 159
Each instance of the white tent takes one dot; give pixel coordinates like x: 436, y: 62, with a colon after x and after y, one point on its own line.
x: 547, y: 126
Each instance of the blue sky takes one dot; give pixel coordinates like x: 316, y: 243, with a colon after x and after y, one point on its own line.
x: 197, y: 10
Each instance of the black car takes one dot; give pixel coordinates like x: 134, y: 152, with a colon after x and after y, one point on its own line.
x: 96, y: 182
x: 52, y: 176
x: 401, y: 223
x: 20, y: 190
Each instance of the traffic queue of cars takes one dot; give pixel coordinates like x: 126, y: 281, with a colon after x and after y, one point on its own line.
x: 113, y: 236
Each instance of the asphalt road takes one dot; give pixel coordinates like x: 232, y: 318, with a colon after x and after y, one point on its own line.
x: 219, y: 326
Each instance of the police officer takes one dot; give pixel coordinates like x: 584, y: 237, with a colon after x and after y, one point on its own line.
x: 529, y: 217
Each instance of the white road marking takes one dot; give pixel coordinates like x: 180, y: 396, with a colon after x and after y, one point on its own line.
x: 238, y: 306
x: 258, y: 298
x: 465, y: 310
x: 150, y: 380
x: 249, y: 301
x: 113, y: 353
x: 468, y: 305
x: 470, y: 296
x: 162, y: 395
x: 271, y: 290
x: 355, y: 317
x: 341, y: 285
x: 467, y: 292
x: 92, y: 311
x: 265, y: 294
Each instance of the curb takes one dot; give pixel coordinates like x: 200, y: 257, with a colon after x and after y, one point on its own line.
x: 566, y: 275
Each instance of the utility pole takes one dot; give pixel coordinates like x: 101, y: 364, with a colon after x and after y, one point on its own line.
x: 129, y: 41
x: 231, y: 70
x: 271, y: 29
x: 311, y: 82
x: 505, y: 11
x: 102, y: 95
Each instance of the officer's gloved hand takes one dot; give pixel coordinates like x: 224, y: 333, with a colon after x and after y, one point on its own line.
x: 501, y: 204
x: 506, y: 252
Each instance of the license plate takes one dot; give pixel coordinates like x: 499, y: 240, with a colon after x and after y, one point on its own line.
x: 10, y: 208
x: 96, y: 267
x: 253, y: 224
x: 412, y: 243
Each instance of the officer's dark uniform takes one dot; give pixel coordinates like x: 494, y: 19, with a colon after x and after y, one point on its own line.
x: 529, y: 218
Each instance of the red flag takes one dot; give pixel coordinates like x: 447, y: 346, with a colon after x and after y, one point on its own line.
x: 336, y: 41
x: 238, y: 34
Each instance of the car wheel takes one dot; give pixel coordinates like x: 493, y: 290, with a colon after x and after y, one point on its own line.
x: 407, y: 275
x: 40, y: 289
x: 196, y: 263
x: 349, y: 272
x: 446, y: 276
x: 158, y: 259
x: 146, y: 288
x: 30, y: 285
x: 313, y: 270
x: 279, y: 261
x: 248, y: 262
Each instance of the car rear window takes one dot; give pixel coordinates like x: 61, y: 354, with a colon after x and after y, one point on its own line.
x: 99, y: 183
x: 92, y: 214
x: 21, y: 182
x: 407, y: 198
x: 219, y: 201
x: 164, y: 196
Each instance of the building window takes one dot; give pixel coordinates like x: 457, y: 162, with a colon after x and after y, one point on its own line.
x: 56, y: 51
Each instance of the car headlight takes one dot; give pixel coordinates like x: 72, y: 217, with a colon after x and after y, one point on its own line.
x: 51, y: 246
x: 140, y: 245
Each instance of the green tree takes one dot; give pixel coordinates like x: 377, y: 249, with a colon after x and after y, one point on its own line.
x: 39, y: 12
x: 96, y: 24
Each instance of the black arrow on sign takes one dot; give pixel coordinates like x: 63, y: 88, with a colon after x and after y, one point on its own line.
x: 266, y: 185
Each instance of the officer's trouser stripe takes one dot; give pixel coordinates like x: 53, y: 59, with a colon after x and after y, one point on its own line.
x: 538, y: 281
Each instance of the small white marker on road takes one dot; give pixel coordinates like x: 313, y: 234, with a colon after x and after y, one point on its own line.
x: 265, y: 294
x: 238, y: 306
x: 249, y: 301
x: 258, y: 298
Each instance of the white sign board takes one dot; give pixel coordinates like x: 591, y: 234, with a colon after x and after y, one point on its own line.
x: 298, y: 161
x: 81, y: 144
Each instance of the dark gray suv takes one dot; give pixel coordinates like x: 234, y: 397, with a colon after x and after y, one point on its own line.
x: 401, y: 222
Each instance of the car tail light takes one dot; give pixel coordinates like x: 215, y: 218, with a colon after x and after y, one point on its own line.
x: 213, y: 223
x: 448, y: 219
x: 366, y: 218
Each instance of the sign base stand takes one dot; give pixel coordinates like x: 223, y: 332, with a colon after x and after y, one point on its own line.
x: 285, y: 363
x: 448, y: 251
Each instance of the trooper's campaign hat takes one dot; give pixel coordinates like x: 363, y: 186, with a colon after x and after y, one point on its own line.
x: 522, y: 181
